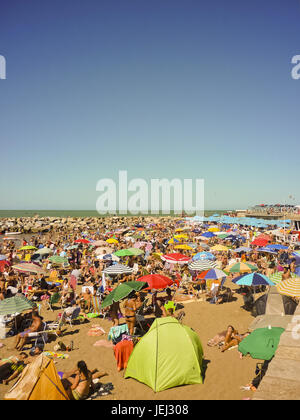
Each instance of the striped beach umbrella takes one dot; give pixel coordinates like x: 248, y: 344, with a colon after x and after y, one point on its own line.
x: 290, y: 287
x: 277, y: 276
x: 214, y: 274
x: 15, y: 304
x: 202, y: 265
x: 241, y: 268
x: 116, y: 269
x: 29, y: 268
x: 253, y: 279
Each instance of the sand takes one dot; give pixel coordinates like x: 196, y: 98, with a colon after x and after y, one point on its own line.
x: 225, y: 372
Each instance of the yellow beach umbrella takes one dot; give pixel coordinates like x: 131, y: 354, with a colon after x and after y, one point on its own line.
x: 183, y: 246
x: 181, y: 236
x: 112, y: 241
x: 290, y: 287
x: 213, y: 229
x: 219, y: 248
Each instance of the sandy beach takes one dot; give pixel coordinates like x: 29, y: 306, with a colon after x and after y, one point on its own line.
x: 225, y: 372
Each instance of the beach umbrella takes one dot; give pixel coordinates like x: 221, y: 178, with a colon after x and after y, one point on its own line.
x: 27, y: 247
x: 219, y: 248
x: 203, y: 245
x: 173, y: 241
x: 242, y: 249
x: 204, y: 256
x: 262, y: 343
x: 15, y: 304
x: 183, y: 246
x: 103, y: 250
x: 56, y: 259
x: 213, y: 229
x: 176, y: 258
x: 181, y: 236
x: 208, y: 235
x: 241, y: 268
x: 128, y: 252
x: 98, y: 243
x: 214, y: 274
x: 253, y: 279
x: 202, y: 265
x: 29, y: 268
x: 122, y: 291
x: 277, y: 246
x: 259, y: 242
x: 112, y: 241
x: 277, y: 276
x: 156, y: 281
x: 116, y: 269
x: 3, y: 264
x: 290, y: 287
x: 43, y: 251
x: 82, y: 241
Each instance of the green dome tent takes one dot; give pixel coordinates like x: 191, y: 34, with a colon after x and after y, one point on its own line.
x: 169, y: 355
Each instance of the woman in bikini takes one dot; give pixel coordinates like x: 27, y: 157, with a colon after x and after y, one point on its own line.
x: 130, y: 307
x: 78, y: 387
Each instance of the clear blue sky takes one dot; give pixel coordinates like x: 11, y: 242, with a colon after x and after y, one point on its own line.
x: 186, y: 89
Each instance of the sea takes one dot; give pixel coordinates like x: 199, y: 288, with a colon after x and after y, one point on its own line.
x: 82, y: 213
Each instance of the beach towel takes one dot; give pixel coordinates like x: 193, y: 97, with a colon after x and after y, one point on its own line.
x: 96, y: 330
x: 73, y: 282
x: 104, y: 343
x: 53, y: 355
x: 116, y: 331
x: 122, y: 352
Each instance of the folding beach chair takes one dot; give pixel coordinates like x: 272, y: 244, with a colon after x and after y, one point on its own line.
x: 96, y: 304
x: 54, y: 299
x: 140, y: 318
x: 40, y: 335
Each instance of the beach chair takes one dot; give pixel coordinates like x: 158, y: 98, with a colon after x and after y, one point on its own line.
x: 54, y: 299
x: 140, y: 318
x: 75, y: 315
x: 96, y: 304
x: 40, y: 335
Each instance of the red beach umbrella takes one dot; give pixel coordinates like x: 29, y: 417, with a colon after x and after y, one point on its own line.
x: 176, y: 258
x: 156, y: 281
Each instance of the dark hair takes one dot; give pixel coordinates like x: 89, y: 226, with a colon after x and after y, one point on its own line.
x: 83, y: 367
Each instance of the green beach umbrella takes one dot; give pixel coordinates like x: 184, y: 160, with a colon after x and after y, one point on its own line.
x: 241, y: 267
x: 261, y: 343
x: 15, y: 304
x: 128, y: 252
x: 27, y: 247
x: 122, y: 291
x: 58, y: 259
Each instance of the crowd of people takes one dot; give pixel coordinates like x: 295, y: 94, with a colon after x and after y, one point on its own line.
x: 80, y: 277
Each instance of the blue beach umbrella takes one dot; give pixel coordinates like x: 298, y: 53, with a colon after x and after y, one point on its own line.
x: 204, y: 256
x: 208, y: 234
x: 253, y: 279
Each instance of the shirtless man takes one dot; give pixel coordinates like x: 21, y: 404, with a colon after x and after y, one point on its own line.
x: 36, y: 326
